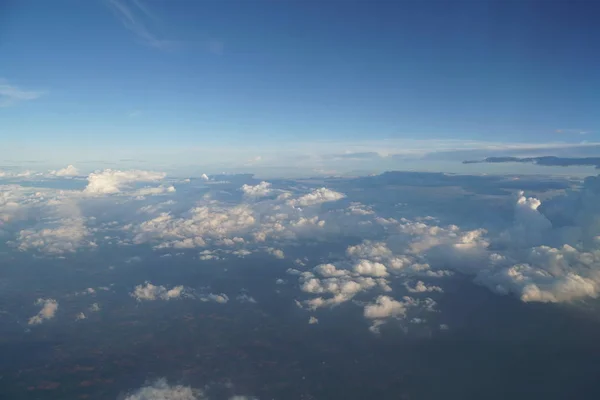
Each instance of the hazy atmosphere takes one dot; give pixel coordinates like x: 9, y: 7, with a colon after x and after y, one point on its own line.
x: 255, y: 200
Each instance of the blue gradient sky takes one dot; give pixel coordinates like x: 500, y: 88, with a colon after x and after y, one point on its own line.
x: 91, y: 80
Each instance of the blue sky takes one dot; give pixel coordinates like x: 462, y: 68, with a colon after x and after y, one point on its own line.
x: 91, y: 80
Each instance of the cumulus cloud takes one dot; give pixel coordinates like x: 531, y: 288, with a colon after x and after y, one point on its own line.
x: 150, y: 292
x: 154, y: 191
x: 421, y: 287
x: 385, y: 307
x: 277, y: 253
x: 161, y: 390
x: 313, y: 320
x: 221, y: 298
x: 370, y: 268
x: 216, y: 223
x: 64, y: 232
x: 318, y: 196
x: 70, y: 170
x: 245, y: 298
x: 113, y: 181
x: 49, y: 308
x: 260, y: 190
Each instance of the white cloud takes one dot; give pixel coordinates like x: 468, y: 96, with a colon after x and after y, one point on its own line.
x: 154, y: 191
x: 95, y: 307
x: 217, y: 298
x: 113, y: 181
x: 161, y: 390
x: 49, y: 308
x: 150, y: 292
x: 385, y: 307
x: 67, y: 237
x: 80, y: 316
x: 245, y: 298
x: 329, y: 271
x: 11, y: 94
x: 421, y: 287
x: 204, y: 177
x: 313, y: 320
x: 370, y: 268
x: 134, y: 17
x: 277, y: 253
x: 260, y: 190
x: 67, y: 171
x: 64, y: 232
x: 318, y: 196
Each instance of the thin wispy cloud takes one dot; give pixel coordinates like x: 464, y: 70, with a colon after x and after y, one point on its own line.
x: 573, y: 131
x: 136, y: 17
x: 11, y: 94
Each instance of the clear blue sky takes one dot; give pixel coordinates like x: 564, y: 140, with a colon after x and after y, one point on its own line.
x: 93, y: 76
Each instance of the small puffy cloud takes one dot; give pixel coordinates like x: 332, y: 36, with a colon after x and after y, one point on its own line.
x: 260, y: 190
x: 49, y: 308
x: 421, y: 287
x: 67, y: 171
x: 245, y: 298
x: 113, y: 181
x: 317, y: 196
x: 313, y: 320
x: 369, y: 250
x: 80, y: 316
x: 204, y: 177
x: 161, y: 390
x: 217, y: 298
x: 150, y: 292
x: 277, y: 253
x: 154, y: 191
x: 95, y: 307
x: 329, y: 271
x: 370, y: 268
x: 385, y: 307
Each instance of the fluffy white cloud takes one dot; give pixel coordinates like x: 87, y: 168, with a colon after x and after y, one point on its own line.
x: 49, y: 308
x: 70, y: 170
x: 260, y: 190
x: 318, y: 196
x: 277, y: 253
x: 370, y: 268
x: 154, y: 191
x: 313, y: 320
x: 421, y: 287
x: 9, y: 202
x: 64, y: 231
x: 150, y: 292
x: 113, y: 181
x: 161, y: 390
x: 70, y: 235
x: 385, y: 307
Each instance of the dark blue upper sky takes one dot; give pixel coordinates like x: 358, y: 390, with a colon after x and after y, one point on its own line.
x: 230, y: 73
